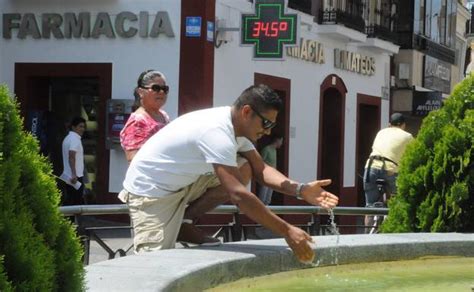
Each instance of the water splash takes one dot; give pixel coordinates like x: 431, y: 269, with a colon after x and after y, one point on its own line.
x: 334, y: 251
x: 334, y: 230
x: 332, y: 224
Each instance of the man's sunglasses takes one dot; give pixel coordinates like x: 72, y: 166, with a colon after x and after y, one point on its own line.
x: 158, y: 88
x: 266, y: 123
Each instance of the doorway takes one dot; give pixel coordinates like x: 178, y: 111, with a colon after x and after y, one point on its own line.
x: 331, y: 161
x: 331, y: 132
x: 368, y: 124
x: 282, y: 87
x: 53, y: 94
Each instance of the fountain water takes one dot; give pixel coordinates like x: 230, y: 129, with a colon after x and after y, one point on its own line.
x: 334, y: 230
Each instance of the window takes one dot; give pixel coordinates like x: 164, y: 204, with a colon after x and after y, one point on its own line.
x: 427, y: 18
x: 451, y: 23
x: 436, y: 20
x: 419, y: 17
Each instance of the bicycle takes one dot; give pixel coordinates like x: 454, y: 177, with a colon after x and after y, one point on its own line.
x: 381, y: 203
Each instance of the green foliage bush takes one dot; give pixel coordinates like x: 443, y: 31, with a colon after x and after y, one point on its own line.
x: 436, y: 179
x: 38, y: 246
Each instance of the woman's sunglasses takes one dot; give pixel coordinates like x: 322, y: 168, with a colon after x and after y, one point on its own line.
x: 158, y: 88
x: 266, y: 123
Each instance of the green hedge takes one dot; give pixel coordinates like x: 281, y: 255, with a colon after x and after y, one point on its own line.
x: 38, y: 246
x: 436, y: 180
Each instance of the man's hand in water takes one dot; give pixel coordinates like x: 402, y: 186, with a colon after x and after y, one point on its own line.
x: 299, y: 241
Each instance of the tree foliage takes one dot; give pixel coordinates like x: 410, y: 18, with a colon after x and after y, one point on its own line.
x: 435, y: 186
x: 39, y: 250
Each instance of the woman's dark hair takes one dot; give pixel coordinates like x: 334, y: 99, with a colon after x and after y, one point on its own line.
x: 76, y: 121
x: 261, y: 97
x: 136, y: 103
x: 145, y: 79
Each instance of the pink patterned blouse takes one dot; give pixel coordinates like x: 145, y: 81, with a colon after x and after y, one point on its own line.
x: 139, y: 128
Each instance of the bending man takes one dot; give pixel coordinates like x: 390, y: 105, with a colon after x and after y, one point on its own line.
x: 191, y: 166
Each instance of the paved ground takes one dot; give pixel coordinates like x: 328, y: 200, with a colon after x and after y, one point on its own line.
x: 116, y: 239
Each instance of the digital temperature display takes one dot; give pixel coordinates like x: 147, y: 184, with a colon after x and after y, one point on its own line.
x: 269, y: 29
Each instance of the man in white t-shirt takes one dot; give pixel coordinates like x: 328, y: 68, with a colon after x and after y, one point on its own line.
x: 185, y: 169
x: 73, y: 163
x: 387, y: 150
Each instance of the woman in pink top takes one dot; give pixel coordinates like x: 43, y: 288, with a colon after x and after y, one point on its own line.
x: 150, y: 96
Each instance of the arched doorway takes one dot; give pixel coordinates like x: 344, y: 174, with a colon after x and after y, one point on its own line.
x: 331, y: 132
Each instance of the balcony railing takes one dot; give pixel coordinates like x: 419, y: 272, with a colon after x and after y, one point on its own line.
x: 381, y: 32
x: 301, y: 5
x: 337, y: 16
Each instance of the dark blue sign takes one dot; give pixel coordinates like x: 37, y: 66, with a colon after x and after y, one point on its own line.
x: 193, y: 26
x: 36, y: 123
x: 426, y: 101
x: 210, y: 31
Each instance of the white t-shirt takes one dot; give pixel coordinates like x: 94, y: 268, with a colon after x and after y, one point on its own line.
x: 72, y: 142
x: 184, y: 150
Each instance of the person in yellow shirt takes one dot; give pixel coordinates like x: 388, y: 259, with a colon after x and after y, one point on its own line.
x: 387, y: 150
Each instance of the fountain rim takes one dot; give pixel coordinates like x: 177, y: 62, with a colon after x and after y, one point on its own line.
x: 200, y: 268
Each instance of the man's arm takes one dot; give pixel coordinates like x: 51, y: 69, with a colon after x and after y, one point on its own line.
x: 249, y: 204
x: 72, y: 164
x: 312, y: 192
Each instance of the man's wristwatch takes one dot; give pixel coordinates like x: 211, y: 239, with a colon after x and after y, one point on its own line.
x: 299, y: 187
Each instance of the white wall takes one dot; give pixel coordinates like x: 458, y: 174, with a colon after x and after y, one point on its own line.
x: 234, y: 71
x: 129, y: 56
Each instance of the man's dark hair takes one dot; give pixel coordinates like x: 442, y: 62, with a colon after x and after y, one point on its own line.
x: 77, y: 120
x: 275, y: 137
x: 260, y: 97
x: 397, y: 119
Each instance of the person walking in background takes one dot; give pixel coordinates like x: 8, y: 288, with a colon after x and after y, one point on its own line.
x: 387, y: 149
x: 150, y: 94
x: 191, y: 166
x: 269, y: 156
x: 73, y: 163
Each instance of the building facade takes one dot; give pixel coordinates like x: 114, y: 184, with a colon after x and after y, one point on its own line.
x: 431, y: 59
x: 82, y: 58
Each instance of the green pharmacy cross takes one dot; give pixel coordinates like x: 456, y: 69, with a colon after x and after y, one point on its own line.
x: 269, y: 29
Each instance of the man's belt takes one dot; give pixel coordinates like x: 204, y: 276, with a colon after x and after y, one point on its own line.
x: 380, y: 158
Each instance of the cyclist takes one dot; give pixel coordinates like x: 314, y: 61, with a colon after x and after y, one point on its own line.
x: 387, y: 149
